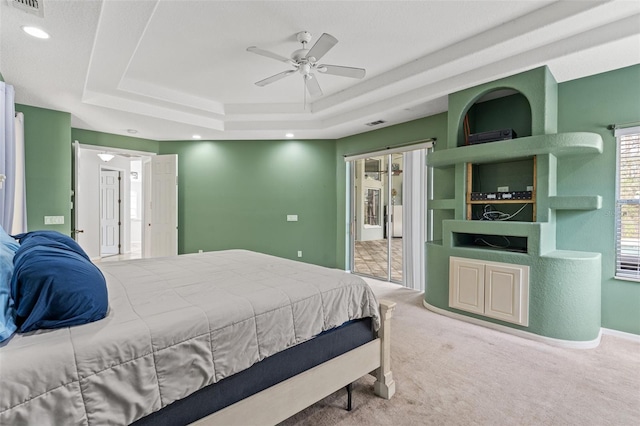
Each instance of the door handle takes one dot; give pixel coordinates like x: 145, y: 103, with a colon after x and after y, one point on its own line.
x: 78, y: 231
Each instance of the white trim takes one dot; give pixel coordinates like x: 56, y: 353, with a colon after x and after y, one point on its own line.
x: 387, y: 151
x: 573, y: 344
x: 117, y: 150
x: 621, y: 334
x: 626, y: 131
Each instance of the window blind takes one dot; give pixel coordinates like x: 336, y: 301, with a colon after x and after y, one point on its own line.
x: 628, y: 204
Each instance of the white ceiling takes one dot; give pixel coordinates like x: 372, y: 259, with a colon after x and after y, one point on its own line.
x: 170, y: 69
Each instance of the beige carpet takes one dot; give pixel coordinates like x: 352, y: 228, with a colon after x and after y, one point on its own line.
x: 449, y: 372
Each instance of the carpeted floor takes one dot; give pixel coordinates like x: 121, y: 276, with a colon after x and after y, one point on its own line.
x: 449, y: 372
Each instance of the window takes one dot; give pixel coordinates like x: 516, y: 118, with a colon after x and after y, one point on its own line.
x: 372, y: 168
x: 628, y: 204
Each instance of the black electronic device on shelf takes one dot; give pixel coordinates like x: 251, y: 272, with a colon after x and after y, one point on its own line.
x: 508, y: 195
x: 491, y: 136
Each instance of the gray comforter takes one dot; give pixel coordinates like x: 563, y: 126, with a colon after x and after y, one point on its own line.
x: 175, y: 325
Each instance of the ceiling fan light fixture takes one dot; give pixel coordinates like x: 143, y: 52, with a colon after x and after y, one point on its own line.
x: 106, y: 157
x: 305, y: 61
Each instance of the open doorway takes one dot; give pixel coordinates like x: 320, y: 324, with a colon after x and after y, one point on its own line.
x: 108, y: 202
x: 388, y: 215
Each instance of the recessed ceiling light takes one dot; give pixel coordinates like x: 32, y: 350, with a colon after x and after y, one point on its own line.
x: 196, y: 137
x: 132, y: 131
x: 35, y: 32
x: 289, y: 135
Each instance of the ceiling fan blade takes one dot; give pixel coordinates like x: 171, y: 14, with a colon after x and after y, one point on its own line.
x: 262, y: 52
x: 342, y: 71
x: 312, y: 85
x: 273, y: 78
x: 322, y: 46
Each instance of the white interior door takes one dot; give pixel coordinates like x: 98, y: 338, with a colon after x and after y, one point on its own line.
x: 76, y: 170
x: 109, y: 212
x: 163, y: 223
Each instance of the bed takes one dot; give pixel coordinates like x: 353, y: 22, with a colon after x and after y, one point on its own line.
x: 180, y: 329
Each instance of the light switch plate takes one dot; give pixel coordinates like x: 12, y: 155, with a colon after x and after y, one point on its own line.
x: 292, y: 218
x: 54, y: 220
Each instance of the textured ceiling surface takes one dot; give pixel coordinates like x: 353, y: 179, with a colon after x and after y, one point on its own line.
x: 170, y: 69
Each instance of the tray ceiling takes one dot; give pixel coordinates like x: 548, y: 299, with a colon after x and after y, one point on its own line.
x: 171, y: 69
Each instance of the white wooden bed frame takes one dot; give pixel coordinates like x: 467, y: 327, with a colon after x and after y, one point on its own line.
x: 291, y: 396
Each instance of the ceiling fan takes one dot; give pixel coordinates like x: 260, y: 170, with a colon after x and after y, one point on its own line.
x: 305, y: 61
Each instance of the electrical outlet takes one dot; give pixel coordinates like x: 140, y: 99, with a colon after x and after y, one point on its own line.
x: 529, y: 188
x: 503, y: 189
x: 200, y: 251
x: 299, y: 253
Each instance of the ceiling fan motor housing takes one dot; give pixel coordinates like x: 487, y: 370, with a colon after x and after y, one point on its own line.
x: 304, y: 37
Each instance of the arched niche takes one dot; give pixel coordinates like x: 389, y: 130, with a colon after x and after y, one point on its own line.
x: 538, y: 87
x: 496, y: 109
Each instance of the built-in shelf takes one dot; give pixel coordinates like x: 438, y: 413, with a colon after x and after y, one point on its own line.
x: 581, y: 202
x: 559, y: 144
x: 510, y: 243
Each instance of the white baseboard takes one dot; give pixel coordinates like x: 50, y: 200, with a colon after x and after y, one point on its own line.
x: 584, y: 344
x: 621, y: 334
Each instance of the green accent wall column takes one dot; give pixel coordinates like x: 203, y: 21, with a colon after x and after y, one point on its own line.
x: 47, y: 135
x: 588, y: 105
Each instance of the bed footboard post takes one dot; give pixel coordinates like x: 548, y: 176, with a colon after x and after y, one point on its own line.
x: 385, y: 386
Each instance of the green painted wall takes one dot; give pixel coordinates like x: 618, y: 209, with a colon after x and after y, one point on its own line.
x: 590, y: 104
x: 90, y: 137
x: 430, y: 127
x: 47, y: 135
x: 237, y: 194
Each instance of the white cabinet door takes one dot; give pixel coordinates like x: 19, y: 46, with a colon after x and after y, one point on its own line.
x: 466, y: 286
x: 496, y: 290
x: 507, y: 293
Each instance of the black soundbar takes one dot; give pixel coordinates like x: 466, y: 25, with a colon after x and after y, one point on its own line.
x: 491, y: 136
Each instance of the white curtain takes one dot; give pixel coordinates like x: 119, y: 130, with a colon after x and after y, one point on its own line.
x: 7, y: 155
x: 20, y: 199
x: 414, y: 234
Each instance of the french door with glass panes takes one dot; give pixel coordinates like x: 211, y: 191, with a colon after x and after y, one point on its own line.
x: 376, y: 228
x: 388, y: 214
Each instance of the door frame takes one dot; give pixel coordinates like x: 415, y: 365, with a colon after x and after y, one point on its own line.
x: 81, y: 152
x: 427, y: 145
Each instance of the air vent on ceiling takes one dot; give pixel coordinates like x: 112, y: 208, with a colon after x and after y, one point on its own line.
x: 375, y: 123
x: 34, y: 7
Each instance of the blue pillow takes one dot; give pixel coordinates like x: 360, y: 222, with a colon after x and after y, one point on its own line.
x: 53, y: 286
x: 55, y: 236
x: 7, y: 312
x: 8, y: 241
